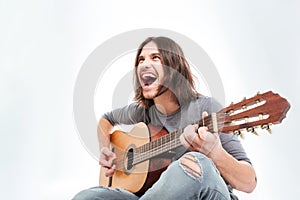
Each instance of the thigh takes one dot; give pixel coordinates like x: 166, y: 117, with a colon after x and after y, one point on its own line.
x: 193, y: 178
x: 103, y: 193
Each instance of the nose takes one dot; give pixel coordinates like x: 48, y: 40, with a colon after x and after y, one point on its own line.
x: 146, y: 64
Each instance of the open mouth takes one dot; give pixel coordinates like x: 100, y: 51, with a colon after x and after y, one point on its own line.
x: 148, y: 78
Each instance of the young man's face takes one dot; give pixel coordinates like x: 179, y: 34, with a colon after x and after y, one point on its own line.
x: 150, y: 70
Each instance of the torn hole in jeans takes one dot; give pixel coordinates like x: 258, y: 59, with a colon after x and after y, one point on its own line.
x: 190, y: 165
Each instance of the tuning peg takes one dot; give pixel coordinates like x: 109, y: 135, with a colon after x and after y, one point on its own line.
x: 230, y: 112
x: 267, y: 127
x: 252, y: 130
x: 242, y: 135
x: 264, y: 126
x: 269, y: 130
x: 257, y: 94
x: 239, y: 133
x: 244, y: 106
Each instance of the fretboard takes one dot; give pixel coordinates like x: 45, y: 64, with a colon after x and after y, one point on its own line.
x: 168, y: 142
x: 157, y: 147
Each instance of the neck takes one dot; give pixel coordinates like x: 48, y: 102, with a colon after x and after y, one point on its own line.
x: 166, y: 103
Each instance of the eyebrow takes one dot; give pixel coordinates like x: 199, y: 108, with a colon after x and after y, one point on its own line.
x: 155, y: 54
x: 152, y: 54
x: 140, y: 57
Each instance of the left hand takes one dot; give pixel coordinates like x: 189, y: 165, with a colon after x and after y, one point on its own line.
x: 204, y: 141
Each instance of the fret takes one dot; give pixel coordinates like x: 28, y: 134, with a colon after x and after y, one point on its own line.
x: 164, y: 144
x: 157, y: 147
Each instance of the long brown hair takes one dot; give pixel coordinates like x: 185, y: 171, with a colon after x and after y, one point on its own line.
x: 178, y: 76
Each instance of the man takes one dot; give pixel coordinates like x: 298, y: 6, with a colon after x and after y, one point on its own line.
x: 208, y: 165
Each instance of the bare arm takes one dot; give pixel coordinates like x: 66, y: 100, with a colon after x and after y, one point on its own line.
x: 104, y: 131
x: 239, y: 174
x: 106, y: 155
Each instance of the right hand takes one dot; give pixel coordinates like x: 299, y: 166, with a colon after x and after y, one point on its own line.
x: 106, y: 161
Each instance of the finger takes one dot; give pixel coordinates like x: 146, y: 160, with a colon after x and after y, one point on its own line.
x: 204, y: 114
x: 106, y: 160
x: 196, y: 126
x: 108, y: 155
x: 109, y: 171
x: 184, y: 142
x: 202, y: 132
x: 189, y: 132
x: 202, y: 129
x: 107, y: 152
x: 190, y: 129
x: 104, y: 163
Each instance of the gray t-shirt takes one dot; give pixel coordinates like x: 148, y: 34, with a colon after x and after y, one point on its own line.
x: 189, y: 114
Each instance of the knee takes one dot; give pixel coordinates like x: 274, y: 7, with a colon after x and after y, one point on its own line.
x: 194, y: 163
x: 88, y: 194
x: 190, y: 164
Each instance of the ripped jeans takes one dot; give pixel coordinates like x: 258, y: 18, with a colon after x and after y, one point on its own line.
x: 193, y: 176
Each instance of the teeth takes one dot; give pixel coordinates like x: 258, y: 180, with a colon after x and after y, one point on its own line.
x: 148, y: 75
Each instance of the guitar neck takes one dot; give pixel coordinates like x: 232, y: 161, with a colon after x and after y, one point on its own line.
x: 157, y: 147
x: 169, y: 142
x: 261, y: 110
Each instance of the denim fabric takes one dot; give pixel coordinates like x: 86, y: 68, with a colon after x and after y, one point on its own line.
x: 174, y: 184
x: 103, y: 193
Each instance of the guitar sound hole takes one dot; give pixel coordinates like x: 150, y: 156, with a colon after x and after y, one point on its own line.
x: 129, y: 159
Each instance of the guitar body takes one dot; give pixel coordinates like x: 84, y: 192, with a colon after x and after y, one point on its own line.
x: 139, y: 177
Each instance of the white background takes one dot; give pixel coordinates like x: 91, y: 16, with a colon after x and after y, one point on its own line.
x: 254, y: 44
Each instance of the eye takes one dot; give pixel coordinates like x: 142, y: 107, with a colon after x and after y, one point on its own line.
x: 141, y: 60
x: 156, y: 57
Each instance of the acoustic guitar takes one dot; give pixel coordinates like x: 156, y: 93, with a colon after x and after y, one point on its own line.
x: 146, y: 151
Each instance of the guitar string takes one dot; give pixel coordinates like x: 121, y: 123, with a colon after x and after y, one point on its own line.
x: 156, y: 150
x: 149, y: 152
x: 140, y: 157
x: 159, y: 146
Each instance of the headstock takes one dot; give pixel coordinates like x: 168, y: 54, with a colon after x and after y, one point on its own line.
x: 261, y: 111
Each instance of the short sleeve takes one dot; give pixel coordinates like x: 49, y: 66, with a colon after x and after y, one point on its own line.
x: 130, y: 114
